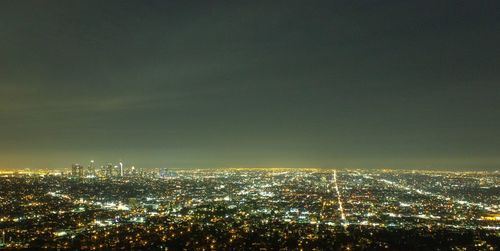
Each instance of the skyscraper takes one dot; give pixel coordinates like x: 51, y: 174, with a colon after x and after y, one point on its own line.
x: 74, y: 170
x: 109, y: 170
x: 91, y: 168
x: 121, y: 169
x: 77, y: 170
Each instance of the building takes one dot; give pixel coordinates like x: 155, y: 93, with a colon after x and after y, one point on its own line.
x: 77, y: 170
x: 121, y: 169
x: 91, y: 169
x: 109, y: 170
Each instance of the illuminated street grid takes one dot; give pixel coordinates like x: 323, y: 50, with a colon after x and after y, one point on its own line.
x: 267, y: 209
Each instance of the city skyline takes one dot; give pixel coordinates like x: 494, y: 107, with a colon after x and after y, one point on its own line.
x: 329, y: 84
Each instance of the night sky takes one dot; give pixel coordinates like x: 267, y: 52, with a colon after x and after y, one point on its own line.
x: 345, y: 84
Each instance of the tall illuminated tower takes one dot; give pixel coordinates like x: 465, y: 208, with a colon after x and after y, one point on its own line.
x: 91, y: 170
x: 77, y: 170
x: 109, y: 170
x: 121, y: 169
x: 74, y: 170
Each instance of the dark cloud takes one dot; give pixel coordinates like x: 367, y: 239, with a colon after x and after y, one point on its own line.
x: 283, y: 83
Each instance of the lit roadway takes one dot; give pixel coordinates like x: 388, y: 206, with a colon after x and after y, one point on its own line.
x: 339, y: 197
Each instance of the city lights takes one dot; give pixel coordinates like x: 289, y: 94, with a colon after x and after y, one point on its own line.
x: 248, y: 208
